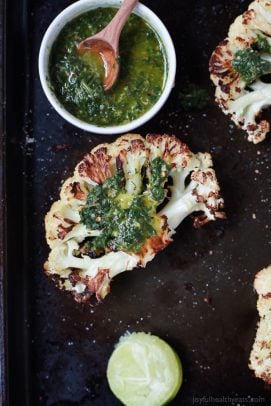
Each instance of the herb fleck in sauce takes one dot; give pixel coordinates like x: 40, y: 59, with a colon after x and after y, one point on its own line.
x: 77, y: 80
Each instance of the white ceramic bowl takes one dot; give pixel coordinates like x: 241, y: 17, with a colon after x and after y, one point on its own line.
x: 69, y: 14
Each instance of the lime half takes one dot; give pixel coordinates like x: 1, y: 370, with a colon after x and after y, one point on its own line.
x: 144, y: 370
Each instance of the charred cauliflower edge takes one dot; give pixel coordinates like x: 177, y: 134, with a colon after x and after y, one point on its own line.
x: 194, y: 188
x: 260, y: 360
x: 248, y: 46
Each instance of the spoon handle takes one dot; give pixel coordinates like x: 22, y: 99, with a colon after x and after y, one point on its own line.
x: 111, y: 33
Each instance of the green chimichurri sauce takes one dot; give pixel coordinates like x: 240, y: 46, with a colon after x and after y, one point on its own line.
x: 78, y: 80
x: 250, y: 63
x: 125, y: 220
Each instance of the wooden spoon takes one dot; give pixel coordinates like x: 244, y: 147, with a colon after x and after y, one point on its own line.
x: 106, y: 43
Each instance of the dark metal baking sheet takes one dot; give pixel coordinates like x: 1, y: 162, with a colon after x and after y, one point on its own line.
x: 197, y: 294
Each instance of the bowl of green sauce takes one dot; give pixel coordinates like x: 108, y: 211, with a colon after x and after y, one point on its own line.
x: 73, y: 84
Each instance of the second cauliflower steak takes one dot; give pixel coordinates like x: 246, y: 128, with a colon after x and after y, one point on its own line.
x: 239, y: 68
x: 260, y: 360
x: 109, y: 218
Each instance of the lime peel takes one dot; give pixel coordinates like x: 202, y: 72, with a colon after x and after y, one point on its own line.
x: 144, y: 370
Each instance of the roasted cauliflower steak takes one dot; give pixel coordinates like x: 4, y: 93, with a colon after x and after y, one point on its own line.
x: 239, y: 68
x: 122, y: 206
x: 260, y: 360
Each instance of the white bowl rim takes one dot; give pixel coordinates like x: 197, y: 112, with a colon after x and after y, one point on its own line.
x: 68, y: 14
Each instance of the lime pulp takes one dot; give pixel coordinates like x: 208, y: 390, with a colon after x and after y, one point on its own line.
x: 144, y: 370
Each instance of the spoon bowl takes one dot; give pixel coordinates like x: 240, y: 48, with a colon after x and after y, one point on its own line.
x: 106, y: 43
x: 108, y: 57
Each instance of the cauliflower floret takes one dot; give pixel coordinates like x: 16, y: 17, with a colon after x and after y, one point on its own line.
x: 260, y: 360
x: 238, y: 65
x: 109, y: 218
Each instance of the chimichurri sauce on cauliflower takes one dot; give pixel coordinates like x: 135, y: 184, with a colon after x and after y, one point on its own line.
x: 240, y: 68
x: 122, y: 206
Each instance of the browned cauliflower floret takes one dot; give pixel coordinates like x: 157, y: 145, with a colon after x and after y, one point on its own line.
x: 238, y: 67
x: 260, y: 360
x: 109, y: 217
